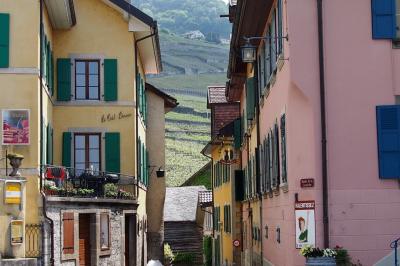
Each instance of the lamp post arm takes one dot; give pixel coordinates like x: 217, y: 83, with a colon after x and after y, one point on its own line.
x: 249, y: 39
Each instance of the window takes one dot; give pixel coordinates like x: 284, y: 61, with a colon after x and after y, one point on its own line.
x: 283, y: 148
x: 87, y: 151
x: 104, y: 231
x: 227, y: 218
x: 87, y: 79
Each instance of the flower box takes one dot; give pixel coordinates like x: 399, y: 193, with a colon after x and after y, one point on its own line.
x: 321, y: 261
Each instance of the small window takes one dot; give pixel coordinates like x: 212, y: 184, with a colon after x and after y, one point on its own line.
x: 87, y: 151
x: 87, y: 80
x: 104, y: 231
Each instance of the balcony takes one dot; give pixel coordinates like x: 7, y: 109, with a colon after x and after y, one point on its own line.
x: 69, y: 184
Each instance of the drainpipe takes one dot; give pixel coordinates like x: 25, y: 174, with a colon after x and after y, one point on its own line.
x: 44, y: 207
x: 323, y: 124
x: 136, y: 105
x: 258, y: 164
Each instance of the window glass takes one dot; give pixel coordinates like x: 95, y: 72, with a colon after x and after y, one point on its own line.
x: 87, y: 151
x: 87, y: 80
x: 80, y: 67
x: 104, y: 231
x: 94, y: 141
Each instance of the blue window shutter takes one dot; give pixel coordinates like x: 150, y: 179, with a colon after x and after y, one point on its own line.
x: 383, y: 19
x: 388, y: 130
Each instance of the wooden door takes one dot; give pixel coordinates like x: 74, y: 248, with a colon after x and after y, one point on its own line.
x: 84, y: 240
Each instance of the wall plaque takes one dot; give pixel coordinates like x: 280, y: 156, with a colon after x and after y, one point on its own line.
x: 307, y: 182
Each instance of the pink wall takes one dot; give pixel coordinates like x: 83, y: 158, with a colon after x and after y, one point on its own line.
x: 364, y: 210
x: 360, y: 74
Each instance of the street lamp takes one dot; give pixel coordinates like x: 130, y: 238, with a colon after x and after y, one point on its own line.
x: 249, y: 51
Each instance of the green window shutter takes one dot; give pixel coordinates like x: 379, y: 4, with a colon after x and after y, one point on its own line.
x: 138, y: 90
x: 4, y: 40
x: 43, y: 145
x: 138, y: 147
x: 147, y: 168
x: 110, y: 80
x: 51, y: 73
x: 48, y: 144
x: 113, y: 162
x: 48, y: 55
x: 66, y: 149
x: 63, y: 79
x: 250, y: 98
x: 237, y: 133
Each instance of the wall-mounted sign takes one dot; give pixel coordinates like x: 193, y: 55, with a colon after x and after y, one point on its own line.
x: 17, y: 232
x: 15, y: 127
x: 307, y: 182
x: 236, y: 243
x: 13, y: 192
x: 114, y: 116
x: 305, y: 223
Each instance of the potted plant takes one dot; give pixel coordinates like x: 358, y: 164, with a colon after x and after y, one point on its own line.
x: 50, y: 190
x: 110, y: 190
x: 318, y: 257
x: 85, y: 193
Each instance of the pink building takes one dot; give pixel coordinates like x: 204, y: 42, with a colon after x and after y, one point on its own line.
x: 323, y: 84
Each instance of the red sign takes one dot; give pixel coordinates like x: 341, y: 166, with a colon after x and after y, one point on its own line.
x: 307, y: 182
x: 236, y: 243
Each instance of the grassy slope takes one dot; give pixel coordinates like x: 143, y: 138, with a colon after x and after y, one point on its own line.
x: 187, y: 132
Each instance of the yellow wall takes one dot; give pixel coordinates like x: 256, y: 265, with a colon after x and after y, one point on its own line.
x: 222, y: 197
x: 100, y: 29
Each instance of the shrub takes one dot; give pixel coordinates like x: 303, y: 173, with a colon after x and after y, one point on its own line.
x: 184, y: 258
x: 85, y: 192
x: 110, y: 190
x: 168, y: 254
x: 207, y: 250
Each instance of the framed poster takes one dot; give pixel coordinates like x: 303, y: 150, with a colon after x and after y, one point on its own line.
x: 305, y: 223
x: 17, y: 232
x: 15, y: 127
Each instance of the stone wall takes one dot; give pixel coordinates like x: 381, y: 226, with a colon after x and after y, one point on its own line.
x: 115, y: 255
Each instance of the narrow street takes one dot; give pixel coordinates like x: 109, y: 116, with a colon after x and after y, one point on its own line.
x: 215, y: 133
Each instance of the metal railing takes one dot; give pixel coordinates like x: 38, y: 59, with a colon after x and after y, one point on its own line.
x: 71, y: 182
x: 395, y: 245
x: 33, y: 240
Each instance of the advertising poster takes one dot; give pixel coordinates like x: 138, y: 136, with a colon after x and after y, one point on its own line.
x: 305, y: 223
x: 15, y: 127
x: 17, y: 232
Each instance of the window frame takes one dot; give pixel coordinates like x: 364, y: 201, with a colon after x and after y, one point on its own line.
x: 87, y: 75
x: 109, y: 231
x: 87, y: 148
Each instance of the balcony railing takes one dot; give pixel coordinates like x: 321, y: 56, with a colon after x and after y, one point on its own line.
x: 71, y: 182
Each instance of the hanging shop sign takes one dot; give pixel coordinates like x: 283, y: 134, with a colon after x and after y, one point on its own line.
x: 17, y: 232
x: 305, y: 223
x: 13, y: 192
x: 236, y: 243
x: 15, y: 127
x: 114, y: 116
x: 307, y: 182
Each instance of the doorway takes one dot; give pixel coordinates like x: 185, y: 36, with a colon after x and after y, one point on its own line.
x: 130, y: 239
x: 84, y: 240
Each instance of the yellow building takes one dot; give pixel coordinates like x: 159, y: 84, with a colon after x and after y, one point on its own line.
x: 74, y: 70
x: 222, y: 150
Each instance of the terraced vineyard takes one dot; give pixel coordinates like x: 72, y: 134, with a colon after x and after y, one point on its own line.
x: 190, y: 66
